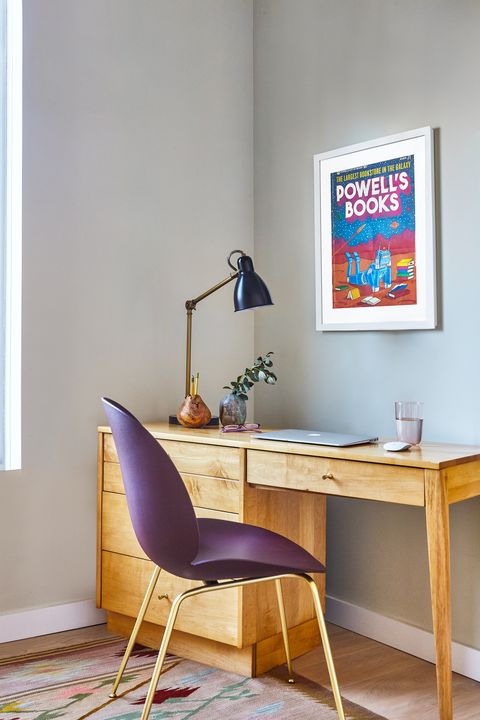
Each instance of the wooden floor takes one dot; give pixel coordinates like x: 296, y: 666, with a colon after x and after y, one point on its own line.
x: 386, y: 681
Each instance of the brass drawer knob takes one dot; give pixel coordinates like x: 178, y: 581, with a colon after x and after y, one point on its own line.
x: 327, y: 476
x: 163, y: 596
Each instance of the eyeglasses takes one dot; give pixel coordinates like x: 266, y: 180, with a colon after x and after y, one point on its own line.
x: 246, y: 427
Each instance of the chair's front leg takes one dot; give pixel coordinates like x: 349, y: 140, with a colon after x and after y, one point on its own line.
x: 161, y: 654
x: 326, y: 645
x: 136, y: 628
x: 283, y: 621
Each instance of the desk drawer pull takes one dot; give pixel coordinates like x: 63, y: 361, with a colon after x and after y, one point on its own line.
x: 328, y: 476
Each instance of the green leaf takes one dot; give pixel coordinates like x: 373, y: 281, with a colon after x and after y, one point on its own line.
x: 258, y: 372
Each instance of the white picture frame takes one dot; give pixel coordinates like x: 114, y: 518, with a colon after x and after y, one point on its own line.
x: 375, y: 234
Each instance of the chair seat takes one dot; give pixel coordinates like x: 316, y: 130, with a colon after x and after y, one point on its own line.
x: 234, y: 550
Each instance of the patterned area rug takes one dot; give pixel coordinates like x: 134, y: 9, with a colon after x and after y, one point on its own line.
x: 74, y: 683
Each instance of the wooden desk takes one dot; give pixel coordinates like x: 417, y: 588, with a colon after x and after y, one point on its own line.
x: 237, y: 477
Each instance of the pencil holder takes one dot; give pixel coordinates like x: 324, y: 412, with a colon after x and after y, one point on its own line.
x: 193, y: 412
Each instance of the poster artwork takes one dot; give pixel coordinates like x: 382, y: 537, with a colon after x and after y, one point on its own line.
x: 373, y: 235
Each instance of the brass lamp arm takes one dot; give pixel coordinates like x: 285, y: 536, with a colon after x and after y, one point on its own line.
x: 190, y: 306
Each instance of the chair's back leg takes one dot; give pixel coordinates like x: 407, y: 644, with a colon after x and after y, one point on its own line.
x: 326, y: 645
x: 283, y: 621
x: 136, y: 628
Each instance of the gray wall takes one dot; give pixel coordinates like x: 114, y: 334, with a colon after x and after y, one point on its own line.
x: 328, y: 74
x: 138, y: 180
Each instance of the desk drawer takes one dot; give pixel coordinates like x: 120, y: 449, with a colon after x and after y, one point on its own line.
x: 348, y: 478
x: 125, y: 580
x: 117, y: 531
x: 213, y: 460
x: 206, y: 492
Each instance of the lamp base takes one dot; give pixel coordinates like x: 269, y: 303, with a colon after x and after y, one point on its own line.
x: 213, y: 422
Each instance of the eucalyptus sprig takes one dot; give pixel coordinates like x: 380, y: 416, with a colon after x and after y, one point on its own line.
x: 259, y: 372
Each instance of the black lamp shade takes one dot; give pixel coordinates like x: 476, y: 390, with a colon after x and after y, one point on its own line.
x: 250, y: 290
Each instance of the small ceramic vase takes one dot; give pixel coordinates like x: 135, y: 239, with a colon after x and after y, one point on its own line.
x: 233, y: 410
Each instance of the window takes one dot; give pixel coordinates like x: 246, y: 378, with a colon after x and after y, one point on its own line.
x: 10, y: 231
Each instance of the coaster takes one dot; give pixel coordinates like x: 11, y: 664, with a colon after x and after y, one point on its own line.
x: 214, y: 422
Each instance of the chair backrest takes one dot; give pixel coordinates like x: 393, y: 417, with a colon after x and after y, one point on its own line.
x: 160, y: 507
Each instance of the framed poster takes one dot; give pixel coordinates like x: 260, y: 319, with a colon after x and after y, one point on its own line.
x: 374, y: 234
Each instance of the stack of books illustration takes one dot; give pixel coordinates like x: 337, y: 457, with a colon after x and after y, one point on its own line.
x: 406, y: 269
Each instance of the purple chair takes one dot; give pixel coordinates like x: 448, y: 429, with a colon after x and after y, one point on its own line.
x: 200, y: 549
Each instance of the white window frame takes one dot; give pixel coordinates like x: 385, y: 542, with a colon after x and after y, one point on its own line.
x: 13, y: 238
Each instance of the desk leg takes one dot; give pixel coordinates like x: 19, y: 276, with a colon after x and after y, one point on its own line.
x: 438, y: 537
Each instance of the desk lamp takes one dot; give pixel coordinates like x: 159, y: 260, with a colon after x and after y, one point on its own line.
x: 250, y: 292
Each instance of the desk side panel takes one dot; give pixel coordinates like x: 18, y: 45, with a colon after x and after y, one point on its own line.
x: 463, y: 481
x: 302, y: 518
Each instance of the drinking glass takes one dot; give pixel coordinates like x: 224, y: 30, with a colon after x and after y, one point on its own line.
x: 409, y: 420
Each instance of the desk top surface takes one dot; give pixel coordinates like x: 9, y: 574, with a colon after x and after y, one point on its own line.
x: 429, y: 455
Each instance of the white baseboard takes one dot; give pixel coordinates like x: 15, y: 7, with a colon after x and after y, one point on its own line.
x: 46, y: 620
x: 400, y: 635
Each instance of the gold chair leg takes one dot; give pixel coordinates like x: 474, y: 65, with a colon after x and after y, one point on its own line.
x: 136, y: 628
x: 210, y: 588
x: 283, y: 621
x: 161, y: 654
x: 326, y: 646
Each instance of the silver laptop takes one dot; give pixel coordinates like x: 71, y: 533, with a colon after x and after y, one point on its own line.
x: 315, y: 437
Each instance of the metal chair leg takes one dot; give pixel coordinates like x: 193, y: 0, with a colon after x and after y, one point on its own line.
x: 136, y: 628
x: 283, y: 621
x: 326, y: 646
x: 210, y: 588
x: 161, y: 654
